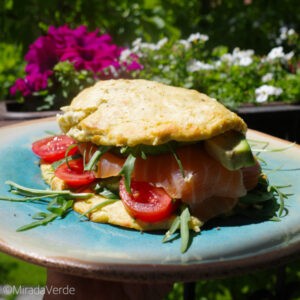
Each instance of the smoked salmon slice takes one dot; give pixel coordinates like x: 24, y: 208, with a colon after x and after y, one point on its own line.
x: 208, y: 187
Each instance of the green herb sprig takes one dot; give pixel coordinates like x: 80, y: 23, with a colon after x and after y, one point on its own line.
x: 177, y: 159
x: 105, y: 192
x: 261, y: 202
x: 59, y: 206
x: 127, y: 170
x: 24, y: 191
x: 106, y: 202
x: 180, y: 222
x: 96, y: 156
x: 67, y: 152
x: 56, y: 164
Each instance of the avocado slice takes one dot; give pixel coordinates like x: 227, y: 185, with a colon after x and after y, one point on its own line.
x: 231, y: 149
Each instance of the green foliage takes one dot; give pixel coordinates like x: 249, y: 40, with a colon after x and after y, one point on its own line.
x: 243, y: 286
x: 11, y: 67
x: 232, y: 78
x: 15, y: 272
x: 24, y: 21
x: 226, y: 22
x: 66, y: 83
x: 249, y: 26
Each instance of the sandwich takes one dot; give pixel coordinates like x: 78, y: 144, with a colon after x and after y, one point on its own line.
x: 148, y: 153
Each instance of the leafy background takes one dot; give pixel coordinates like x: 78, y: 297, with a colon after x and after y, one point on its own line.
x: 247, y: 24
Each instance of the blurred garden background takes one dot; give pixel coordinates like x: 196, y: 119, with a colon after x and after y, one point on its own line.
x: 244, y: 52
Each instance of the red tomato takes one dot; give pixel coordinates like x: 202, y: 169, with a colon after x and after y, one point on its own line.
x: 147, y: 203
x: 75, y: 176
x: 54, y: 148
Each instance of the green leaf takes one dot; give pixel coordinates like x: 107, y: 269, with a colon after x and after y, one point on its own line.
x: 127, y: 170
x: 96, y: 156
x: 26, y: 199
x: 67, y: 152
x: 175, y: 225
x: 108, y: 194
x: 255, y: 196
x: 44, y: 221
x: 184, y: 229
x: 39, y: 215
x: 99, y: 205
x: 56, y: 164
x: 36, y: 192
x: 177, y: 159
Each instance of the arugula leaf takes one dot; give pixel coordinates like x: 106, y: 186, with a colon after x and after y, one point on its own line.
x: 111, y: 183
x: 56, y: 164
x: 175, y: 225
x: 105, y: 192
x: 99, y: 205
x: 62, y: 210
x: 96, y: 156
x: 263, y: 212
x: 274, y: 150
x: 127, y: 170
x: 184, y: 229
x: 36, y: 192
x: 177, y: 159
x: 180, y: 222
x: 58, y: 207
x: 67, y: 152
x: 46, y: 218
x: 256, y: 196
x: 26, y: 199
x: 281, y: 196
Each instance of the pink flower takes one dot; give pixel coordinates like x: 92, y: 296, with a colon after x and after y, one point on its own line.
x: 135, y: 66
x: 87, y: 50
x: 21, y: 86
x: 41, y: 56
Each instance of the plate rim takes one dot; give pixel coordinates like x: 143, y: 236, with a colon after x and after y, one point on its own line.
x: 157, y: 272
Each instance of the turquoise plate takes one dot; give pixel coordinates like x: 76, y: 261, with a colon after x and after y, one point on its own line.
x: 110, y: 252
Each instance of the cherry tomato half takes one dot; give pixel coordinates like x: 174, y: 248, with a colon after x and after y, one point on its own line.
x: 54, y: 148
x: 74, y: 176
x: 147, y: 203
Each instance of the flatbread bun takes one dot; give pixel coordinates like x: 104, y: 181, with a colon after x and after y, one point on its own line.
x: 131, y: 112
x: 114, y: 214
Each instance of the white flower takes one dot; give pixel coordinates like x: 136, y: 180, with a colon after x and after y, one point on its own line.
x: 283, y: 33
x: 227, y: 58
x: 245, y: 61
x: 161, y: 43
x: 275, y: 53
x: 218, y: 63
x: 289, y: 55
x: 267, y: 77
x: 125, y: 54
x: 238, y: 57
x: 137, y: 42
x: 149, y: 46
x: 278, y: 41
x: 113, y: 71
x: 197, y: 36
x: 242, y: 53
x: 185, y: 43
x: 291, y: 31
x: 262, y: 93
x: 196, y: 65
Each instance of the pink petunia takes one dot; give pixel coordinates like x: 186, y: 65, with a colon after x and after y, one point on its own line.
x: 86, y: 50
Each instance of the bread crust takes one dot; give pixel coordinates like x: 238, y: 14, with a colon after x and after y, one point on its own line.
x: 132, y: 112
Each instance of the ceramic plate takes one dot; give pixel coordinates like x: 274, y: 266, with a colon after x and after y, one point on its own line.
x: 105, y: 251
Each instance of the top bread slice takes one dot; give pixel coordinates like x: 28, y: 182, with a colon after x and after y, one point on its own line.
x: 132, y: 112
